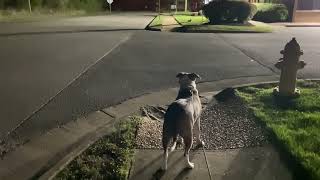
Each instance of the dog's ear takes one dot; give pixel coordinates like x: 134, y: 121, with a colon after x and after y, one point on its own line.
x: 180, y: 74
x: 194, y: 76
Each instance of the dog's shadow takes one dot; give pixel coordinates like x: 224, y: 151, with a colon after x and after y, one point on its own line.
x: 160, y: 173
x: 182, y: 174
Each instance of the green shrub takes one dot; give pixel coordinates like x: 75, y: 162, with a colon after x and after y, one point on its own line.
x: 271, y: 12
x: 88, y: 5
x: 36, y: 3
x: 228, y: 11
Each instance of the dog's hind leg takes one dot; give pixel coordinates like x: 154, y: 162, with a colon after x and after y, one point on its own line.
x: 188, y: 144
x: 165, y: 144
x: 197, y: 132
x: 174, y: 144
x: 165, y: 159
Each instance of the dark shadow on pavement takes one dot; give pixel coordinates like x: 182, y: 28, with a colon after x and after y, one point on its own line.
x: 257, y: 163
x: 158, y: 174
x: 185, y: 171
x: 147, y: 166
x: 183, y: 174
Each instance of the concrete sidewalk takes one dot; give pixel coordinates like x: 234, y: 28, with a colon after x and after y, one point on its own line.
x: 168, y: 23
x: 297, y: 24
x: 259, y: 163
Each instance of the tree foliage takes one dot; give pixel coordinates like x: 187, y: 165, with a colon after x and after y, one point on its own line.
x: 89, y: 5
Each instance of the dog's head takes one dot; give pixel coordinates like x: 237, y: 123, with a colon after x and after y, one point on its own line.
x: 187, y: 80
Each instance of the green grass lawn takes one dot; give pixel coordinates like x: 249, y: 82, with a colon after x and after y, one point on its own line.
x: 198, y: 24
x: 108, y: 158
x: 295, y: 122
x: 189, y: 13
x: 157, y: 21
x: 190, y: 20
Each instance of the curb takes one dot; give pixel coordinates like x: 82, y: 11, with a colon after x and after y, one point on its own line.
x: 306, y: 25
x: 45, y: 156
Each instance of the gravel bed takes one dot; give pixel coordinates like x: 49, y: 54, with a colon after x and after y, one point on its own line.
x: 224, y: 125
x: 149, y: 134
x: 230, y: 125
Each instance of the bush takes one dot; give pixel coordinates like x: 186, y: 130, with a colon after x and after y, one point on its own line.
x: 228, y: 11
x: 88, y: 5
x: 36, y: 3
x: 271, y: 12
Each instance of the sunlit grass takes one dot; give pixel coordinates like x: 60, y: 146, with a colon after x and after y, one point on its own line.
x: 191, y: 20
x: 200, y: 24
x: 157, y: 21
x: 296, y: 122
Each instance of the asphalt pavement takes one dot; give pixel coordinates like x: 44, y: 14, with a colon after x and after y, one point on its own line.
x: 111, y: 22
x: 265, y: 48
x: 49, y: 79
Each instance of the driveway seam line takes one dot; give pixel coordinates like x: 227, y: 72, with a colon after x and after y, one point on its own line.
x: 109, y: 114
x: 246, y: 54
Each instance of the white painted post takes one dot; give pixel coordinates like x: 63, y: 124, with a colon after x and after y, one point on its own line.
x: 110, y: 3
x: 294, y: 11
x: 30, y: 9
x: 186, y: 5
x: 176, y: 6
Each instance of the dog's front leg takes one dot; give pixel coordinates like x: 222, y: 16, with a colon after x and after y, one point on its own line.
x: 197, y: 132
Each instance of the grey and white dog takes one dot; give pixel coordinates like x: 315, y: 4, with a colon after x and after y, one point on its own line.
x: 182, y: 116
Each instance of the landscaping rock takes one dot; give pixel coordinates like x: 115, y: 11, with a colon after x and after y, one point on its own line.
x: 224, y: 125
x: 230, y: 125
x: 149, y: 134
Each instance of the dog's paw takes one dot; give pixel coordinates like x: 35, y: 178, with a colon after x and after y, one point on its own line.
x: 200, y: 143
x: 164, y: 167
x: 173, y: 147
x: 190, y: 165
